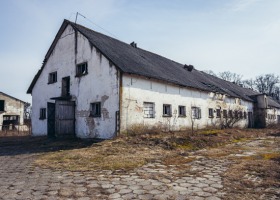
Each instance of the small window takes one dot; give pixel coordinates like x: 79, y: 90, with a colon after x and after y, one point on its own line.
x: 245, y: 115
x: 225, y: 113
x: 182, y: 111
x: 43, y: 113
x: 218, y: 113
x: 230, y: 113
x: 236, y: 114
x: 95, y: 110
x: 81, y: 69
x: 149, y: 110
x: 2, y: 105
x: 167, y: 110
x: 211, y: 113
x: 240, y: 115
x: 196, y: 113
x: 52, y: 77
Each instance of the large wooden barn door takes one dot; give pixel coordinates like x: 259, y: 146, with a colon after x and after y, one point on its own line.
x: 250, y: 120
x: 51, y: 119
x: 65, y: 118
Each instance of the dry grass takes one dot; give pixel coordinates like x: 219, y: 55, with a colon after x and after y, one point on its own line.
x: 141, y: 146
x: 107, y: 155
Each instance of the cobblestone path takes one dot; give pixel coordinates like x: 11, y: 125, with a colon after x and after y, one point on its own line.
x: 20, y: 179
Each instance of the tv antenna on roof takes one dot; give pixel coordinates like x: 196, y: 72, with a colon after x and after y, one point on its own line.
x: 77, y: 16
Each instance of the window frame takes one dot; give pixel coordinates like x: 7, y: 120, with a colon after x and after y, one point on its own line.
x: 95, y: 109
x: 80, y: 71
x: 225, y: 113
x: 52, y: 77
x: 210, y: 112
x: 146, y: 109
x: 43, y: 113
x: 196, y: 112
x: 218, y: 113
x: 181, y: 108
x: 167, y: 110
x: 3, y: 107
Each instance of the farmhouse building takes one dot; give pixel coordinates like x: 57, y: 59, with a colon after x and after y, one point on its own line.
x: 92, y: 85
x: 11, y: 112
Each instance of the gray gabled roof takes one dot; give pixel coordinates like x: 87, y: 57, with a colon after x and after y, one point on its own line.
x: 133, y: 60
x: 4, y: 94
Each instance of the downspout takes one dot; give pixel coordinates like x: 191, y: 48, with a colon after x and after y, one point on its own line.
x: 120, y: 102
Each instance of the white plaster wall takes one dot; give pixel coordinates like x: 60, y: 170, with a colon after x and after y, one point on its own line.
x: 272, y: 111
x: 100, y: 84
x: 12, y: 107
x: 137, y: 90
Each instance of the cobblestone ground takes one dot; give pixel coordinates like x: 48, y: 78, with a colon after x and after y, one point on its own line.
x: 21, y: 180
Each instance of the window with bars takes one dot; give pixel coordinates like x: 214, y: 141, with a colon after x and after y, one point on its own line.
x: 196, y: 113
x: 149, y: 110
x: 211, y: 112
x: 43, y: 113
x: 225, y: 114
x: 218, y: 113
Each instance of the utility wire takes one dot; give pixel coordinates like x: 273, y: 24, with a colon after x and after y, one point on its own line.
x: 94, y: 24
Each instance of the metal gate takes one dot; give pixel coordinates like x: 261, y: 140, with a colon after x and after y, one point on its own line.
x: 65, y: 118
x: 51, y: 119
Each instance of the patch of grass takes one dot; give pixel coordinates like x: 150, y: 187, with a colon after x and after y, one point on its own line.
x: 271, y: 156
x: 210, y: 132
x: 239, y: 140
x: 110, y: 155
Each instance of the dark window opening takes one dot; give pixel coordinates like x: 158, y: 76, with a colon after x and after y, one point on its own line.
x: 230, y: 114
x: 95, y: 109
x: 52, y: 77
x: 225, y: 113
x: 65, y: 86
x: 149, y: 110
x: 42, y: 113
x: 167, y: 110
x: 218, y: 113
x: 182, y: 111
x: 236, y: 114
x: 211, y: 113
x: 245, y: 115
x: 81, y: 69
x: 2, y: 105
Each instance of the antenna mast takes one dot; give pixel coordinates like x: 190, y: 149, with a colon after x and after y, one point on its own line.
x: 77, y: 16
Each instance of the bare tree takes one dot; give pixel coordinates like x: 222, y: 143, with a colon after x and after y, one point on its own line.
x: 210, y: 72
x: 249, y: 83
x: 232, y: 77
x: 267, y: 83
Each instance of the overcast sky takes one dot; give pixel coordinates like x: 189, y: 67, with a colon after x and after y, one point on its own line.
x: 241, y: 36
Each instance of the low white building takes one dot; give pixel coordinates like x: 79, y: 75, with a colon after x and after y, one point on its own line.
x: 92, y: 85
x: 11, y: 112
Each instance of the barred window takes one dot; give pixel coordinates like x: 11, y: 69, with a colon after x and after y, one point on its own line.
x: 95, y: 109
x: 211, y: 113
x: 218, y: 113
x: 42, y: 113
x: 149, y: 110
x: 196, y: 113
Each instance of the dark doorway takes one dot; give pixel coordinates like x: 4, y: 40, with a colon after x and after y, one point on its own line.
x: 65, y: 118
x: 51, y: 119
x: 278, y: 119
x: 250, y: 120
x: 65, y: 92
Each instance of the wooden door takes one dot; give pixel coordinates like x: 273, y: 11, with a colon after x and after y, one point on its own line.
x: 250, y: 120
x: 51, y: 119
x: 65, y: 118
